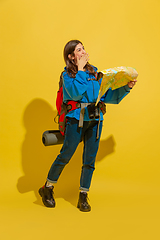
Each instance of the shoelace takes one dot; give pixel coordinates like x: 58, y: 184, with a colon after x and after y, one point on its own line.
x: 86, y: 199
x: 49, y: 192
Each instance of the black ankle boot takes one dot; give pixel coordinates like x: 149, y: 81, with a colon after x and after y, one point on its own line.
x: 47, y: 196
x: 83, y: 204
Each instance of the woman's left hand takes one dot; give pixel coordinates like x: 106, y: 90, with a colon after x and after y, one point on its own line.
x: 132, y: 83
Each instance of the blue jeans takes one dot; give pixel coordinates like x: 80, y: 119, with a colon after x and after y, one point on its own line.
x: 73, y: 136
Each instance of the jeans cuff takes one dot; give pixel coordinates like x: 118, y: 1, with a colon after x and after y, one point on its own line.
x: 84, y: 189
x: 50, y: 181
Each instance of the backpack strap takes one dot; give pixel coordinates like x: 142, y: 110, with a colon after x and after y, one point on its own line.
x: 72, y: 105
x: 61, y: 80
x: 83, y: 105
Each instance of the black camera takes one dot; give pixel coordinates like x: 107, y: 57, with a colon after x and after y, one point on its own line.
x: 93, y: 111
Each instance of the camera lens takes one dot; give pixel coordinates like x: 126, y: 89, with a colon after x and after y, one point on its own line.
x: 96, y: 112
x: 91, y: 111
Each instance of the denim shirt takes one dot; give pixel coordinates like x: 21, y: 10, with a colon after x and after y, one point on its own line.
x: 84, y: 88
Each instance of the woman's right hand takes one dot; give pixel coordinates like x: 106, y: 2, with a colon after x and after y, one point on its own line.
x: 81, y: 62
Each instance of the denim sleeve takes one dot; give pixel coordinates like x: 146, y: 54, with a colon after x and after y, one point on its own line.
x: 75, y: 87
x: 115, y: 96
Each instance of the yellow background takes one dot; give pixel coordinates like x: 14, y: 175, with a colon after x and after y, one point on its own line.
x: 125, y: 192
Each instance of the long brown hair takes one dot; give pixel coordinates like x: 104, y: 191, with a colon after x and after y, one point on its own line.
x: 71, y: 67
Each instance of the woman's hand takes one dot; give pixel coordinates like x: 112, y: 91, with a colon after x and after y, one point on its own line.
x: 132, y: 83
x: 82, y: 61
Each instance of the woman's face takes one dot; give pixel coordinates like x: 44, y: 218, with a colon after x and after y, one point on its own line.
x: 78, y: 52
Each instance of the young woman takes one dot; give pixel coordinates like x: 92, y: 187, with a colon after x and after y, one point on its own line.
x: 80, y: 86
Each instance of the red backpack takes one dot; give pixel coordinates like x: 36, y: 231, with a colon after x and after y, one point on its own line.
x: 63, y: 108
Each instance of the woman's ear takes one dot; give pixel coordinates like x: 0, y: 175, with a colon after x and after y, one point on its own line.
x: 70, y: 57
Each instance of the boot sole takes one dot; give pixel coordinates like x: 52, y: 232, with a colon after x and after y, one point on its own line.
x: 83, y: 210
